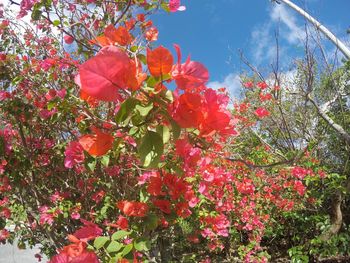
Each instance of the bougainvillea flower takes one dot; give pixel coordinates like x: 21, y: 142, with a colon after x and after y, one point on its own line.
x: 118, y: 35
x: 88, y: 231
x: 262, y: 85
x: 137, y: 209
x: 159, y: 61
x: 122, y: 222
x: 265, y: 97
x: 97, y: 144
x: 151, y: 34
x: 75, y: 253
x: 90, y: 100
x: 74, y: 154
x: 248, y: 84
x: 189, y: 75
x: 163, y: 205
x: 68, y: 39
x: 155, y: 186
x: 261, y: 112
x: 175, y: 5
x: 299, y: 187
x: 4, y: 234
x: 187, y: 110
x: 214, y: 121
x: 105, y: 74
x: 183, y: 210
x: 299, y: 172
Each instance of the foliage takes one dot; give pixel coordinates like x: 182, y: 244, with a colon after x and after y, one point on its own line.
x: 95, y: 148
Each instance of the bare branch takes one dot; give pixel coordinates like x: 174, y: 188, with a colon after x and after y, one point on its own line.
x: 336, y: 41
x: 339, y: 129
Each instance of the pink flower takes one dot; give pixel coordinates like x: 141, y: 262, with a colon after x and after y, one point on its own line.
x: 46, y: 219
x: 175, y: 5
x: 75, y: 215
x: 261, y: 112
x: 68, y: 39
x: 74, y: 154
x: 248, y: 84
x: 299, y: 172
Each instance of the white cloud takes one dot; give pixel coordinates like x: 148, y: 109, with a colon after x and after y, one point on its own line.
x: 231, y: 82
x: 263, y: 36
x: 262, y: 43
x: 291, y: 31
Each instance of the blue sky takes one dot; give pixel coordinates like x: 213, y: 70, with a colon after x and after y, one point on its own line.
x: 213, y: 31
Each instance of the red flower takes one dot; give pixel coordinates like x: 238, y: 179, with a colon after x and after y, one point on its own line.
x: 187, y: 110
x: 189, y: 75
x: 248, y: 84
x: 155, y: 186
x: 68, y: 39
x: 261, y: 112
x: 159, y: 61
x: 265, y: 97
x: 163, y: 205
x: 75, y: 253
x: 299, y: 172
x: 97, y: 144
x: 120, y: 35
x: 262, y: 85
x: 152, y: 34
x: 102, y: 76
x: 299, y: 187
x: 122, y: 222
x: 137, y: 209
x: 182, y: 210
x: 88, y: 231
x: 4, y: 234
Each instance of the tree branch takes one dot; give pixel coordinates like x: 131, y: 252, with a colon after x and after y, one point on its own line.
x: 339, y: 129
x: 336, y: 41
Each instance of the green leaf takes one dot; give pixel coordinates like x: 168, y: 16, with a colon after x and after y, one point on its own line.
x: 143, y: 196
x: 134, y: 48
x: 105, y: 160
x: 114, y: 259
x: 164, y: 132
x: 165, y: 6
x: 144, y: 110
x: 151, y: 149
x: 56, y: 22
x: 142, y: 244
x: 152, y: 81
x: 133, y: 130
x: 120, y: 234
x: 36, y: 14
x: 175, y: 129
x: 169, y: 95
x: 125, y: 110
x: 114, y: 246
x: 100, y: 242
x: 127, y: 249
x: 92, y: 165
x: 142, y: 58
